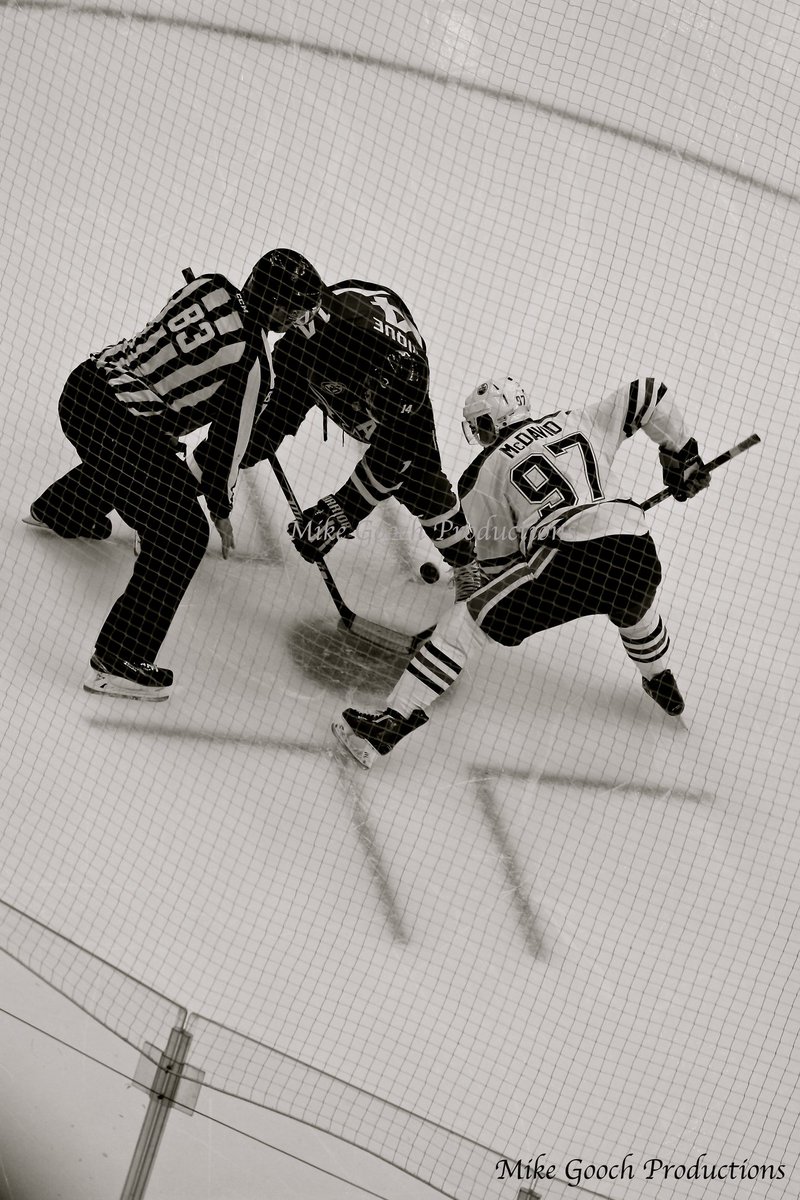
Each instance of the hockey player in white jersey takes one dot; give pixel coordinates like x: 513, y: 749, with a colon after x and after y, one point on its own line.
x: 556, y: 539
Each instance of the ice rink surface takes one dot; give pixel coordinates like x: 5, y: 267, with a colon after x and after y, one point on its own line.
x: 555, y: 921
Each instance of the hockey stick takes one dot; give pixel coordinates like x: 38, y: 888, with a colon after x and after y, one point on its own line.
x: 389, y: 639
x: 369, y: 631
x: 719, y: 461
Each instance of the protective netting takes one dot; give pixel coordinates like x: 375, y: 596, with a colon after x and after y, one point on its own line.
x: 554, y: 920
x: 453, y: 1164
x: 134, y: 1012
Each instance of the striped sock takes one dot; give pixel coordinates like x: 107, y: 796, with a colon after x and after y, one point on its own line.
x: 438, y: 663
x: 647, y: 644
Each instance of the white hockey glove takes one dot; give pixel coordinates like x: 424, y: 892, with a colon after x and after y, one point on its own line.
x: 467, y: 579
x: 321, y: 528
x: 684, y: 472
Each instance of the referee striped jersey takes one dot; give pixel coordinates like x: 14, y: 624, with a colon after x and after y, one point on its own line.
x: 199, y: 361
x: 181, y: 358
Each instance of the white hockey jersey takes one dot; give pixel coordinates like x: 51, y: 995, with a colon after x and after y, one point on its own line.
x: 551, y: 477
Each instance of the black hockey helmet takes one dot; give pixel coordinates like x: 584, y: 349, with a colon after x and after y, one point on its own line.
x: 397, y: 385
x: 282, y: 290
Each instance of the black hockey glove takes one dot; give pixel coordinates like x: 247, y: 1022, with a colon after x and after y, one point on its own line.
x: 320, y: 529
x: 684, y: 472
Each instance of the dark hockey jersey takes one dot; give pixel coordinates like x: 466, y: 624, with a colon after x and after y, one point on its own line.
x: 326, y: 364
x: 199, y: 360
x: 328, y: 361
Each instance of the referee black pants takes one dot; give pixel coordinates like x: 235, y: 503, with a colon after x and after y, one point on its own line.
x: 129, y: 464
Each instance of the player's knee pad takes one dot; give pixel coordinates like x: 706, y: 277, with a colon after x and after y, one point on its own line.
x: 639, y: 584
x: 504, y: 635
x: 635, y: 610
x: 495, y: 625
x: 457, y: 634
x: 186, y: 531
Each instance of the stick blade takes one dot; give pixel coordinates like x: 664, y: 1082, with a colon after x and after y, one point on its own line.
x: 401, y: 644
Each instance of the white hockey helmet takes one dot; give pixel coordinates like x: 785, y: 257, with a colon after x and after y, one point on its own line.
x: 492, y: 406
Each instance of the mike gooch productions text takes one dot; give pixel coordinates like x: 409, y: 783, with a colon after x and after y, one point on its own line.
x: 578, y: 1170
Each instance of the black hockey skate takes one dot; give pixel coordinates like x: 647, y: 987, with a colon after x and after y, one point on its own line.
x: 664, y: 690
x: 93, y: 530
x: 128, y: 680
x: 365, y: 735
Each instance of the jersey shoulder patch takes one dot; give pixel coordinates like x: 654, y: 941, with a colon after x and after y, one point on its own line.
x: 369, y: 305
x: 210, y: 282
x: 351, y: 302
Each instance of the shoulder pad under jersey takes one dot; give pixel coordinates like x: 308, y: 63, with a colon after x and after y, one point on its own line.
x: 469, y: 478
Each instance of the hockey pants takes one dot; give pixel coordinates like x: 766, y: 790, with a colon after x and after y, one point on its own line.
x: 129, y: 465
x: 614, y: 576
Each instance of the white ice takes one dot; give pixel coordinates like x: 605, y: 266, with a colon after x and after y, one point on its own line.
x: 554, y: 921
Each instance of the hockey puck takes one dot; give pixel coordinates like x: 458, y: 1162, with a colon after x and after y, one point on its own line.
x: 429, y: 572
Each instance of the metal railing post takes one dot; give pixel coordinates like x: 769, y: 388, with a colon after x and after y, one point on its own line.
x: 163, y: 1090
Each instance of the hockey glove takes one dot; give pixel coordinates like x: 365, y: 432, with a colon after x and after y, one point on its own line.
x: 320, y: 529
x: 467, y: 579
x: 684, y: 472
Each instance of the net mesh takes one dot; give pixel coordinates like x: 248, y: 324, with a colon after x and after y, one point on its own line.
x: 554, y: 918
x: 134, y: 1012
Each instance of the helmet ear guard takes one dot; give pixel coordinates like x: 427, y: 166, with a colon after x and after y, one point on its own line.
x: 490, y: 407
x: 397, y: 387
x: 484, y: 429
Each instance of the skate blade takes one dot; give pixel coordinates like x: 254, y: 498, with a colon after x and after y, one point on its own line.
x: 121, y: 689
x: 357, y: 747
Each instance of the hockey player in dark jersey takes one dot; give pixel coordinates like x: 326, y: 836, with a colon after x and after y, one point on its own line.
x: 206, y: 357
x: 362, y: 360
x: 557, y: 539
